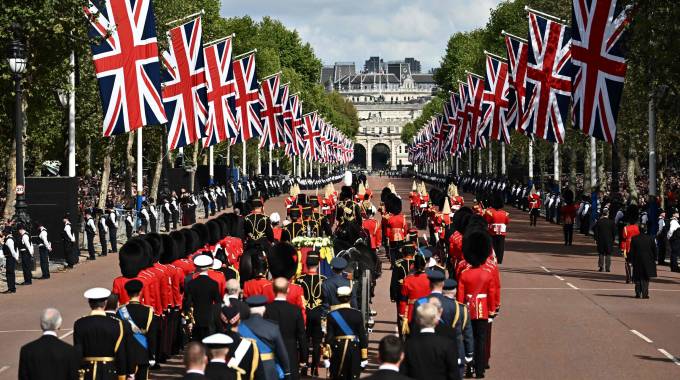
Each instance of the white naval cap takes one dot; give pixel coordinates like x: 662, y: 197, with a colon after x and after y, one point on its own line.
x: 275, y: 217
x: 217, y: 341
x: 203, y: 261
x: 97, y: 294
x: 344, y: 291
x: 216, y: 264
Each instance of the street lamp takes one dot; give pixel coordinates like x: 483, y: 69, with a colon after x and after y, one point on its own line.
x: 17, y: 63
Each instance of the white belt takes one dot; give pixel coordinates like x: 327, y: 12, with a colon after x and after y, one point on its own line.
x: 423, y: 206
x: 499, y: 227
x: 481, y: 295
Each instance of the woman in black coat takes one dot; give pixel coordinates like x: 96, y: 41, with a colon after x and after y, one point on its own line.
x: 642, y: 256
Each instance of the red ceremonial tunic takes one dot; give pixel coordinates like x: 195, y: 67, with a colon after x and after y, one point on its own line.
x: 165, y: 284
x: 498, y: 221
x: 415, y: 286
x: 456, y: 248
x: 277, y: 233
x: 629, y: 232
x: 477, y: 289
x: 374, y: 231
x: 534, y: 201
x: 568, y: 213
x: 456, y: 202
x: 254, y: 287
x: 396, y: 228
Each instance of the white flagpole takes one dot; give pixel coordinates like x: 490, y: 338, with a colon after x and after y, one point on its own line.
x: 270, y: 161
x: 299, y: 166
x: 304, y: 168
x: 479, y: 160
x: 593, y: 163
x: 259, y: 162
x: 490, y: 158
x: 140, y: 184
x: 531, y: 159
x: 457, y: 172
x: 243, y: 164
x: 503, y: 158
x: 72, y: 119
x: 556, y: 162
x: 211, y: 167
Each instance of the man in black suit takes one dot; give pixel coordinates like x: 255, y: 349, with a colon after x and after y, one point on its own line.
x: 245, y: 357
x: 217, y: 368
x: 429, y: 355
x: 195, y: 360
x: 201, y: 299
x: 604, y: 232
x: 391, y: 354
x: 642, y: 256
x: 268, y: 338
x: 142, y: 343
x: 291, y: 324
x: 48, y: 357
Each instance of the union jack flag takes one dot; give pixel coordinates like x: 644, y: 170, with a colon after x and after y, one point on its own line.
x: 126, y: 64
x: 518, y: 53
x: 221, y: 123
x: 311, y: 136
x: 475, y: 94
x: 284, y: 93
x: 293, y: 119
x: 247, y: 99
x: 495, y: 106
x: 548, y: 83
x: 599, y: 59
x: 463, y: 141
x: 184, y: 84
x: 450, y: 120
x: 270, y: 110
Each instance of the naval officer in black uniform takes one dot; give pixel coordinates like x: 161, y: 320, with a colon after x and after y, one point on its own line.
x: 311, y: 283
x: 99, y: 339
x: 201, y: 299
x: 217, y: 369
x: 144, y: 330
x: 346, y: 338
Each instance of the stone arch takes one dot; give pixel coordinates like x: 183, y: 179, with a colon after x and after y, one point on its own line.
x: 381, y: 156
x: 360, y: 158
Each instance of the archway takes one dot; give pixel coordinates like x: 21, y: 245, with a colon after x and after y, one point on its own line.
x: 380, y: 157
x: 359, y: 159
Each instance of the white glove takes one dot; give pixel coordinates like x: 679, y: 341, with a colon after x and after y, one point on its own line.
x: 326, y: 363
x: 468, y: 359
x: 152, y: 363
x: 364, y: 363
x: 490, y: 320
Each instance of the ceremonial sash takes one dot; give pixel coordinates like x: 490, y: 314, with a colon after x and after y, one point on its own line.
x: 346, y: 330
x: 246, y: 332
x: 136, y: 331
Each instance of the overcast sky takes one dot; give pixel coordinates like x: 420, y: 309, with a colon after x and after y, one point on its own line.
x: 353, y: 30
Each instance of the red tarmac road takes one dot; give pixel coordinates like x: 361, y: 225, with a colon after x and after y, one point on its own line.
x: 560, y: 318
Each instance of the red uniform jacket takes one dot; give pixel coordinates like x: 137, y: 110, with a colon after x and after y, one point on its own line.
x: 477, y: 289
x: 568, y: 213
x: 177, y: 275
x: 456, y: 202
x: 118, y: 288
x: 415, y: 286
x: 414, y: 198
x: 498, y: 221
x: 277, y: 233
x: 154, y: 290
x: 629, y: 232
x: 254, y: 287
x: 233, y: 248
x: 396, y: 228
x: 374, y: 231
x: 165, y: 284
x: 534, y: 201
x: 456, y: 248
x: 493, y: 267
x: 289, y: 201
x: 294, y: 297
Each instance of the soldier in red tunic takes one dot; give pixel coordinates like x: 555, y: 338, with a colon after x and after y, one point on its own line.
x: 456, y: 201
x: 414, y: 200
x: 568, y: 214
x: 256, y: 284
x: 629, y: 232
x: 498, y: 220
x: 372, y: 228
x: 275, y: 220
x: 415, y: 286
x: 478, y: 289
x: 534, y: 206
x: 395, y: 226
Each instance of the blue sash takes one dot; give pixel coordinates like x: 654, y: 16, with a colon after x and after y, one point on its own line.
x: 346, y: 330
x: 246, y: 332
x: 136, y: 331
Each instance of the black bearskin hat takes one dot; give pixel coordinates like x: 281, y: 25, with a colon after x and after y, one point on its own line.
x: 437, y: 197
x: 148, y: 249
x: 156, y: 243
x: 168, y: 255
x: 386, y: 191
x: 497, y: 201
x: 203, y: 233
x: 419, y: 262
x: 132, y: 258
x: 178, y: 239
x: 282, y: 260
x: 214, y: 232
x: 568, y: 196
x: 476, y: 246
x: 460, y: 219
x: 222, y: 225
x: 632, y: 214
x: 393, y: 204
x: 189, y: 241
x: 346, y: 193
x: 476, y: 222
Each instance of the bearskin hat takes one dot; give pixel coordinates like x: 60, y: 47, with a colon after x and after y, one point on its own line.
x: 203, y: 233
x: 148, y: 249
x: 214, y: 232
x: 632, y: 214
x: 190, y: 238
x: 282, y: 260
x: 223, y: 229
x: 476, y: 246
x: 179, y: 243
x: 476, y: 222
x: 419, y: 262
x: 460, y: 218
x: 497, y: 202
x: 168, y: 254
x: 154, y: 239
x: 393, y: 204
x: 346, y: 192
x: 437, y: 197
x: 568, y: 196
x: 132, y: 258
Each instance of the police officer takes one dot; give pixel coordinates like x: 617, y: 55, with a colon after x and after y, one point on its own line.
x: 11, y: 257
x: 25, y: 248
x: 99, y: 339
x: 129, y: 224
x: 112, y: 224
x: 44, y: 249
x: 153, y: 216
x: 69, y: 240
x: 311, y: 283
x: 346, y: 338
x: 144, y: 218
x: 90, y: 231
x: 103, y: 230
x: 167, y: 214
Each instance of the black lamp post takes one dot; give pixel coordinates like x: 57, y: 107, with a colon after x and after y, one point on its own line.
x: 17, y: 63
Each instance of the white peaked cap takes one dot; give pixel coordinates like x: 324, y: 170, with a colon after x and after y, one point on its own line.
x: 217, y: 264
x: 217, y: 340
x: 344, y: 291
x: 202, y: 261
x: 97, y: 294
x: 275, y: 217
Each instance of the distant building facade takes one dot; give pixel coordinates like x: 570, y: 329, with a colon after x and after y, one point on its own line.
x: 386, y: 98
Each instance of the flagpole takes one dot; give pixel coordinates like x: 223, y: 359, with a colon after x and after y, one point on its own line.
x: 243, y: 164
x: 201, y: 12
x: 556, y: 162
x: 531, y: 158
x: 318, y: 170
x: 299, y: 166
x: 479, y: 160
x: 490, y: 158
x: 72, y: 118
x: 554, y: 18
x: 140, y: 184
x: 270, y: 161
x: 244, y: 54
x: 457, y: 172
x: 219, y: 40
x: 504, y: 33
x: 593, y: 163
x: 259, y: 162
x: 304, y: 169
x: 503, y: 158
x: 211, y: 167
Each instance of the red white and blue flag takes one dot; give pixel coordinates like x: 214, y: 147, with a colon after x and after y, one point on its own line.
x: 600, y: 62
x: 548, y: 83
x: 452, y: 122
x: 247, y: 101
x: 518, y: 52
x: 463, y: 141
x: 270, y: 111
x: 496, y: 102
x: 294, y: 123
x: 221, y: 124
x: 311, y: 136
x: 475, y: 87
x: 284, y: 93
x: 184, y: 85
x: 126, y: 63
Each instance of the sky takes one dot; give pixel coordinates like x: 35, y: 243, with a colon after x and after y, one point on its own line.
x: 353, y: 30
